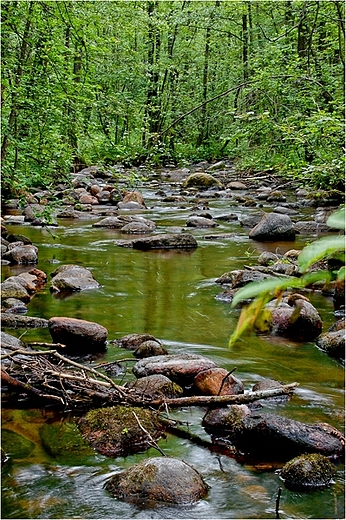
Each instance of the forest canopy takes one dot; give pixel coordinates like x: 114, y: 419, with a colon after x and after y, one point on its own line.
x: 102, y: 82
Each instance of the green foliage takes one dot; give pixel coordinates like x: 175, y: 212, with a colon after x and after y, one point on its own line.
x: 78, y: 90
x: 263, y: 292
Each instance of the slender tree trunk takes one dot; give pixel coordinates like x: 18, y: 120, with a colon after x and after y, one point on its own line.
x: 203, y: 134
x: 152, y: 104
x: 23, y: 54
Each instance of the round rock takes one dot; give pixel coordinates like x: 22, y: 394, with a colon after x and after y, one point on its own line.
x: 159, y: 479
x: 79, y: 336
x: 308, y: 471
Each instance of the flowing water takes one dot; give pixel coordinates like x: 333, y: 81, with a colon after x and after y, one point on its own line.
x: 171, y: 295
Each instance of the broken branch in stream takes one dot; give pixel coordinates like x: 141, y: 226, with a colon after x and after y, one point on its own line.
x: 222, y: 400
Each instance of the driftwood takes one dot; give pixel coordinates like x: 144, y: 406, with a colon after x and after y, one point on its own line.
x: 55, y: 379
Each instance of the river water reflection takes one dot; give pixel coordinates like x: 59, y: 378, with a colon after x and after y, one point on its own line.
x: 171, y: 295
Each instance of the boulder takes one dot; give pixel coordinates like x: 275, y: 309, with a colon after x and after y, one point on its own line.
x: 133, y: 341
x: 236, y: 185
x: 163, y: 241
x: 201, y: 180
x: 86, y: 198
x: 133, y: 196
x: 135, y: 228
x: 118, y: 431
x: 217, y: 381
x: 79, y: 336
x: 13, y: 305
x: 18, y: 321
x: 150, y: 348
x: 273, y: 227
x: 272, y: 436
x: 308, y: 472
x: 180, y: 368
x: 293, y: 317
x: 14, y: 289
x: 200, y: 222
x: 276, y: 196
x: 333, y: 343
x: 22, y: 254
x: 155, y: 386
x: 159, y: 479
x: 69, y: 277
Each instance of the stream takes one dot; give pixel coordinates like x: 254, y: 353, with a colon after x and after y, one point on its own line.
x: 171, y: 295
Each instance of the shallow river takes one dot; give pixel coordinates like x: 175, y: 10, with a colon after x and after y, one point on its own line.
x: 171, y: 295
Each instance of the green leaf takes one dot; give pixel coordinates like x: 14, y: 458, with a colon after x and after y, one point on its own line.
x: 270, y: 285
x: 337, y: 219
x: 322, y: 248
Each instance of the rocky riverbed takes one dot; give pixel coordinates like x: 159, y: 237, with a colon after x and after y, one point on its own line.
x: 178, y: 210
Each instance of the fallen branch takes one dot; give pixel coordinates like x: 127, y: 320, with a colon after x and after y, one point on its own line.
x: 222, y: 400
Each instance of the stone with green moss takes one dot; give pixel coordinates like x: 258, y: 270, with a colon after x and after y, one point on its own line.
x: 118, y: 431
x: 308, y: 471
x: 159, y: 479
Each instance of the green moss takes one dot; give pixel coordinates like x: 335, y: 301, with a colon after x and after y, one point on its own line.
x: 14, y: 445
x: 115, y: 431
x: 308, y: 471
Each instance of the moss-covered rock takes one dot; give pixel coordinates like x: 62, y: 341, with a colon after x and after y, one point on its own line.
x: 201, y: 180
x: 159, y: 479
x: 119, y: 430
x: 308, y: 471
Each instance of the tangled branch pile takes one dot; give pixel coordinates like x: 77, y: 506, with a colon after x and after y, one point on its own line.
x: 47, y: 377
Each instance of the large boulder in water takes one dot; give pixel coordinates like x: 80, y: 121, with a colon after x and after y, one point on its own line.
x: 159, y: 479
x: 293, y: 317
x: 79, y: 336
x: 333, y: 342
x: 180, y: 368
x: 19, y: 253
x: 118, y: 431
x: 271, y: 436
x: 308, y: 472
x: 273, y: 227
x: 69, y: 278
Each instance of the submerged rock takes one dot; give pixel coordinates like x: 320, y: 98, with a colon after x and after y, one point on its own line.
x: 79, y: 336
x: 159, y: 479
x: 164, y: 241
x: 308, y: 472
x: 116, y: 432
x: 271, y: 436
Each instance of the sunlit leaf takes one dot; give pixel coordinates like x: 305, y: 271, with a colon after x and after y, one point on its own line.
x: 271, y: 285
x: 322, y: 248
x: 337, y: 219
